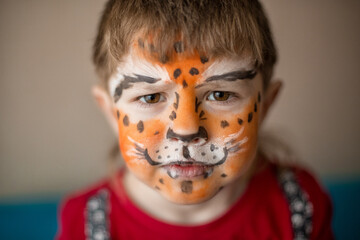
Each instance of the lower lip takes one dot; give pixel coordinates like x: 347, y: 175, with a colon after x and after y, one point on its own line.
x: 187, y: 171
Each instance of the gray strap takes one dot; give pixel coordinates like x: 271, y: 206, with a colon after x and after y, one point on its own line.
x: 96, y: 217
x: 301, y: 209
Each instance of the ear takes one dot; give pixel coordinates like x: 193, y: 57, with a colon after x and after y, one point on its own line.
x: 270, y: 95
x: 106, y: 105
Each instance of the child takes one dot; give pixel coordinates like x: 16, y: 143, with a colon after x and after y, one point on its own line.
x: 186, y: 86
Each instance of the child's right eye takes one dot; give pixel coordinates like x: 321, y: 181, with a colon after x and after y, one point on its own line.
x: 151, y: 98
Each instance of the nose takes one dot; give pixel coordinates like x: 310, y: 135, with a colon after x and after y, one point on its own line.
x: 200, y: 137
x: 187, y: 118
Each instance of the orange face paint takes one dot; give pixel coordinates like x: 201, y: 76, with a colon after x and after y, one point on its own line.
x: 188, y: 126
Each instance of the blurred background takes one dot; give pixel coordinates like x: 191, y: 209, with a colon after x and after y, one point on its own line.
x: 53, y: 139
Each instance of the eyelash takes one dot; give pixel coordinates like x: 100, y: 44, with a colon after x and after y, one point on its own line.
x: 144, y: 104
x: 232, y: 97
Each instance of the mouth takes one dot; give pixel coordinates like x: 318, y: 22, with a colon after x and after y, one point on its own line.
x: 188, y: 170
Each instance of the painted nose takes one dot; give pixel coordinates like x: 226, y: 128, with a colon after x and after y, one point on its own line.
x: 197, y: 138
x: 187, y: 119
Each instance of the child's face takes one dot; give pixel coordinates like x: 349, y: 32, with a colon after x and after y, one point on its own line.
x: 187, y: 127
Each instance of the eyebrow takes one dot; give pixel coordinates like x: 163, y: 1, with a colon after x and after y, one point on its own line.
x: 231, y: 76
x: 128, y: 82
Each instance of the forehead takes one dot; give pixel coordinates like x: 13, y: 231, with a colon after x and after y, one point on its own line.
x: 196, y: 66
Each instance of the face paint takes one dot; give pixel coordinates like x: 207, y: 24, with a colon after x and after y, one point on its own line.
x: 189, y: 126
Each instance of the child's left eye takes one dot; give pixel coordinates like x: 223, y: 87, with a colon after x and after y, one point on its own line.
x: 151, y: 98
x: 219, y: 96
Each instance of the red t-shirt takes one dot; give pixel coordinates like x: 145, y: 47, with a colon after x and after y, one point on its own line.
x: 262, y: 212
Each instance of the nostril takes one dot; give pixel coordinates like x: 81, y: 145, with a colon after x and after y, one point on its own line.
x: 198, y: 138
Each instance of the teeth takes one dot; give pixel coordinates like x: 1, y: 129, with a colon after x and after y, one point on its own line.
x: 172, y: 173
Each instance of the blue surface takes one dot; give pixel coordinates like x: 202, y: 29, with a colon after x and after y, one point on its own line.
x: 38, y: 219
x: 345, y: 196
x: 28, y: 220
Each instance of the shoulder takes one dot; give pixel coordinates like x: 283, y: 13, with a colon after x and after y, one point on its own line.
x: 319, y: 199
x: 322, y: 206
x: 308, y: 183
x: 72, y: 211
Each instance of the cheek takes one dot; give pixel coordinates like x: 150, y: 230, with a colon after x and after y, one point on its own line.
x: 221, y: 126
x: 239, y: 133
x: 134, y: 138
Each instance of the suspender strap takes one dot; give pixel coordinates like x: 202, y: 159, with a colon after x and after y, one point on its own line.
x: 96, y: 217
x: 301, y: 209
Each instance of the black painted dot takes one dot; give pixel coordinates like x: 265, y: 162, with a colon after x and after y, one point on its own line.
x: 161, y: 181
x: 118, y: 114
x: 172, y: 116
x: 152, y: 48
x: 184, y: 83
x: 156, y: 133
x: 157, y: 151
x: 255, y: 107
x: 223, y: 175
x: 224, y: 124
x: 176, y: 149
x: 259, y: 97
x: 140, y: 126
x: 159, y: 157
x: 179, y: 47
x: 141, y: 43
x: 214, y: 157
x: 126, y: 120
x: 177, y: 73
x: 164, y: 59
x: 204, y: 59
x: 187, y: 187
x: 166, y: 147
x: 194, y: 71
x: 240, y: 121
x: 203, y: 154
x: 168, y: 156
x: 212, y: 147
x: 176, y: 103
x: 250, y: 117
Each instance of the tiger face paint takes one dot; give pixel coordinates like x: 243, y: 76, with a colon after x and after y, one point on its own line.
x: 187, y: 127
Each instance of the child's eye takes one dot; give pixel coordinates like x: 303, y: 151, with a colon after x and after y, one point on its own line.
x: 219, y: 96
x: 151, y: 98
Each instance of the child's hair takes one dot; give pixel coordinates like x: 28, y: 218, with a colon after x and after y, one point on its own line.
x: 215, y: 27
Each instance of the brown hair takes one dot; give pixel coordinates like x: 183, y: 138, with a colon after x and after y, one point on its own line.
x: 215, y: 27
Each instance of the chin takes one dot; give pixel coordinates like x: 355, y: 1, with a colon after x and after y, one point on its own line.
x: 190, y: 192
x: 188, y: 200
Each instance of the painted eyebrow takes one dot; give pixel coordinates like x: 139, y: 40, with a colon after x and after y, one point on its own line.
x: 128, y: 81
x: 231, y: 76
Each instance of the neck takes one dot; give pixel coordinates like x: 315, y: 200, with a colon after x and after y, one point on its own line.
x: 160, y: 208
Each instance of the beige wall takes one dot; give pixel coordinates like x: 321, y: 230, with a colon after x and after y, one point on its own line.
x: 53, y: 139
